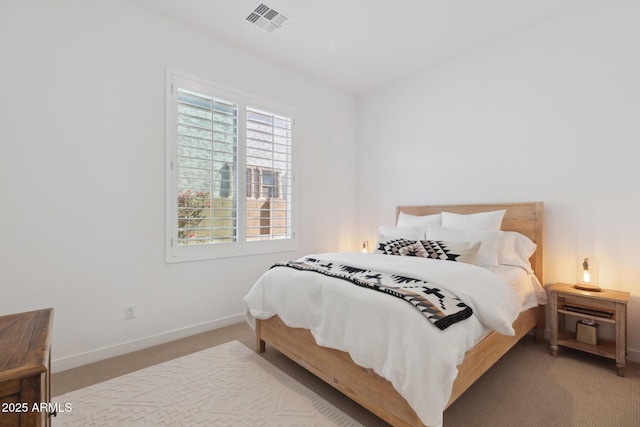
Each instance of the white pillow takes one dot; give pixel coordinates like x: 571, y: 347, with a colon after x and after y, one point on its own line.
x: 411, y: 233
x: 478, y: 221
x: 515, y: 249
x: 487, y: 255
x: 406, y: 220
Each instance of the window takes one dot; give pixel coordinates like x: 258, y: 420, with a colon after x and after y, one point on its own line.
x: 212, y: 135
x: 269, y: 184
x: 263, y: 184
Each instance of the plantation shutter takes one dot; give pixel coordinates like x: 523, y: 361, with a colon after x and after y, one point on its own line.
x: 269, y: 176
x: 207, y: 158
x: 229, y: 172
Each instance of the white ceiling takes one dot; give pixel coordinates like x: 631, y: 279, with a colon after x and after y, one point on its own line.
x: 360, y: 45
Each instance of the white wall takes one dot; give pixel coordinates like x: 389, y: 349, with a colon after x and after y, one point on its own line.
x: 548, y: 114
x: 82, y: 103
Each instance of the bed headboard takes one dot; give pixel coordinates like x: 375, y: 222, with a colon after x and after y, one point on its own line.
x: 525, y: 218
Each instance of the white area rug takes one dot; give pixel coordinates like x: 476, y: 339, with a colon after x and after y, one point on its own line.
x: 227, y: 385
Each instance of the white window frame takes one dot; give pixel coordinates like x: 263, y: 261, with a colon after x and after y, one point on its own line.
x: 180, y: 253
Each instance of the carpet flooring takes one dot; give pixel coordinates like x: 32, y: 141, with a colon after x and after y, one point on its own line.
x: 526, y: 388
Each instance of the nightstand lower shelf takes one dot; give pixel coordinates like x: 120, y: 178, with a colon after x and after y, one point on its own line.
x: 606, y: 348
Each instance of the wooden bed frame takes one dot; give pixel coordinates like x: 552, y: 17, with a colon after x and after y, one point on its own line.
x: 376, y: 393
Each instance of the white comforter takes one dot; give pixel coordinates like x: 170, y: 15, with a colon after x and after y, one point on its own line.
x: 385, y: 333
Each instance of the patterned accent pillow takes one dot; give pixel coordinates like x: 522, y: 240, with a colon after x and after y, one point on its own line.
x: 436, y: 249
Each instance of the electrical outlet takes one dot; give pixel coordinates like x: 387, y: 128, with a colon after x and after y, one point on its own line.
x: 130, y: 312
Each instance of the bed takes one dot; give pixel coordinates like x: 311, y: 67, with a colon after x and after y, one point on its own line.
x: 373, y: 391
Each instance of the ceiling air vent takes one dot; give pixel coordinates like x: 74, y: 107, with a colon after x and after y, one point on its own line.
x: 266, y: 18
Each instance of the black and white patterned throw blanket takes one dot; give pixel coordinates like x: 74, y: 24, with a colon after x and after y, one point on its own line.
x: 441, y: 307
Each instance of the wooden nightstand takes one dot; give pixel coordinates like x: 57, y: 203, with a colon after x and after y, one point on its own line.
x: 614, y: 303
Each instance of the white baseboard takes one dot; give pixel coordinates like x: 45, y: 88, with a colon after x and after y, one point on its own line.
x: 70, y: 362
